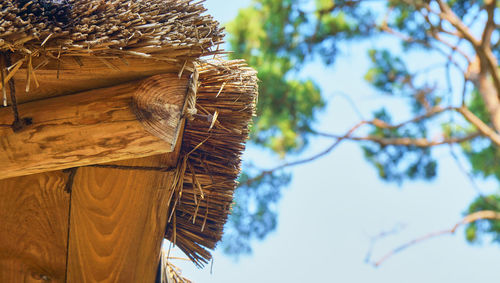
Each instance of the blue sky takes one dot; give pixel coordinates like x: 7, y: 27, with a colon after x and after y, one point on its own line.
x: 334, y: 205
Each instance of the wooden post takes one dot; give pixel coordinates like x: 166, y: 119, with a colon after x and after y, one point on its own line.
x: 34, y: 228
x: 117, y: 222
x: 93, y: 127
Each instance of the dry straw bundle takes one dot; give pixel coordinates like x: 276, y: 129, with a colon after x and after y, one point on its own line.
x: 211, y: 151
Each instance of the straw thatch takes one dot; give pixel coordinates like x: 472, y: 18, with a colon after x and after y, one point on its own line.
x: 171, y: 32
x: 211, y: 151
x: 141, y: 28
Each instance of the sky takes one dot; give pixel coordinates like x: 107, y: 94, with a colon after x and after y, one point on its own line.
x: 335, y: 205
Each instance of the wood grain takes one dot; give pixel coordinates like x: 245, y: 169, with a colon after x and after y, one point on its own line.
x: 76, y: 74
x: 118, y: 220
x: 33, y: 228
x: 158, y: 110
x: 87, y: 128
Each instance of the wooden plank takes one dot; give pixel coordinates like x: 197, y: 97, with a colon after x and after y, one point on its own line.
x: 118, y: 221
x: 76, y: 74
x: 92, y: 127
x: 33, y: 228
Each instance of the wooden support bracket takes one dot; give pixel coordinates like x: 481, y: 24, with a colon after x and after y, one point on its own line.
x: 126, y: 121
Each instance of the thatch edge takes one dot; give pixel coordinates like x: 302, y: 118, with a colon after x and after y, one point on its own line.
x: 211, y: 157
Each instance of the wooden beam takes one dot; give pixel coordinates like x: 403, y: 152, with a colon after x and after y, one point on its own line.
x: 91, y: 127
x: 118, y: 221
x: 34, y: 228
x: 72, y: 75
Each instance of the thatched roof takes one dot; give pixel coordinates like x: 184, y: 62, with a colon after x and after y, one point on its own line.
x: 141, y: 28
x: 40, y: 34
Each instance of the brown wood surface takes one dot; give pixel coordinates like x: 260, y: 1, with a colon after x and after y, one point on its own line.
x: 118, y: 220
x: 33, y: 228
x: 87, y: 128
x: 75, y: 74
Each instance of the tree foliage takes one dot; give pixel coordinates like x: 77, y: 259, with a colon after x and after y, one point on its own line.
x: 279, y: 37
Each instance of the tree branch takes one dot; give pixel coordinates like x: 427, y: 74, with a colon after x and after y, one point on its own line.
x: 477, y: 73
x: 448, y: 15
x: 384, y: 27
x: 488, y: 62
x: 480, y: 125
x: 430, y: 113
x: 378, y: 123
x: 306, y: 160
x: 454, y: 48
x: 490, y: 6
x: 470, y: 176
x: 473, y: 217
x: 483, y: 130
x: 373, y: 240
x: 383, y: 141
x: 405, y: 141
